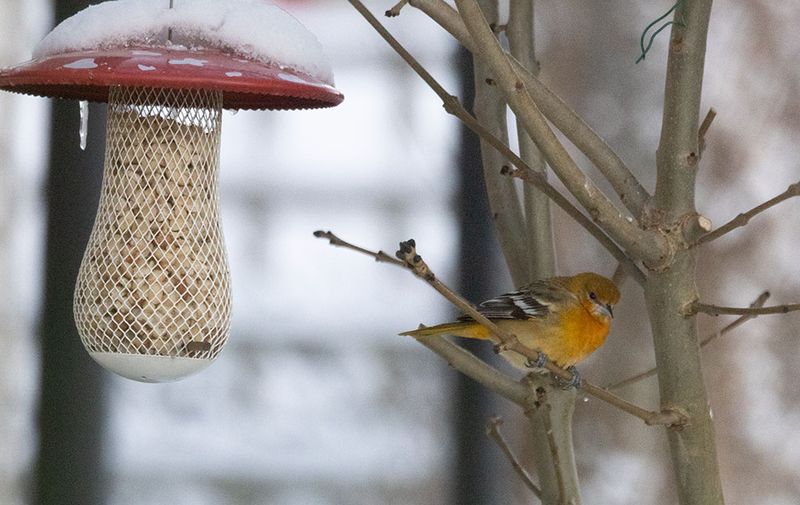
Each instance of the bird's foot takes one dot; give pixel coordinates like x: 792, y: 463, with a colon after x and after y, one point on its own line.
x: 573, y: 382
x: 541, y: 361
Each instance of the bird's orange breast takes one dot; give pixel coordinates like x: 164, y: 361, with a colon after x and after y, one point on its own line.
x: 582, y: 333
x: 567, y: 338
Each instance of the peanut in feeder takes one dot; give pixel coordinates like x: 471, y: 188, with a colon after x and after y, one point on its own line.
x: 152, y: 300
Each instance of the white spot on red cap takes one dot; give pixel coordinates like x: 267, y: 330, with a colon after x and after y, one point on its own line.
x: 189, y: 61
x: 82, y: 63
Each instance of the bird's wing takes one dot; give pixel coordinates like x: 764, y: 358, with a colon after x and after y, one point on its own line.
x: 537, y: 300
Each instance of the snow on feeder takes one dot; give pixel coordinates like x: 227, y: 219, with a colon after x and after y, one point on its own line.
x: 152, y: 300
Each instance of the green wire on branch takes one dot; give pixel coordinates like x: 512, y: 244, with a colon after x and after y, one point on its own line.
x: 655, y: 34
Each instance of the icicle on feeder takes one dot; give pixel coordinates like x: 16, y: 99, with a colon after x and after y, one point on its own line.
x: 152, y: 300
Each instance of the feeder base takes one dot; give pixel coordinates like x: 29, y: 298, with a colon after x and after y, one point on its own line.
x: 144, y: 368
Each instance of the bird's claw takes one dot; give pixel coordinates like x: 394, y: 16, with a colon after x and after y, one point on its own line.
x: 541, y: 361
x: 573, y: 382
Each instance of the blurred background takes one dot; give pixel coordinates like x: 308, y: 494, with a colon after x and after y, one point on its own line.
x: 315, y: 400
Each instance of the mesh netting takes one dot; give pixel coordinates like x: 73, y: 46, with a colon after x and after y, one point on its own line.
x: 154, y: 279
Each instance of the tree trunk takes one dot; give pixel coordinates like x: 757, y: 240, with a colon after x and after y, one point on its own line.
x: 671, y: 288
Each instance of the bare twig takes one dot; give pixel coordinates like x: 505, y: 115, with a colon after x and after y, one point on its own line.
x: 633, y: 195
x: 493, y: 431
x: 645, y: 244
x: 379, y: 256
x: 717, y: 310
x: 454, y: 107
x: 742, y: 219
x: 759, y: 302
x: 395, y: 11
x: 632, y: 379
x: 506, y: 341
x: 673, y: 418
x: 704, y: 126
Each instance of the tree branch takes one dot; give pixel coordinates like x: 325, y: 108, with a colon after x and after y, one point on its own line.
x: 619, y: 275
x: 744, y: 218
x: 532, y: 177
x: 759, y: 302
x: 631, y: 192
x: 454, y: 107
x: 550, y: 431
x: 493, y: 431
x: 504, y: 340
x: 544, y: 405
x: 538, y: 224
x: 678, y: 153
x: 476, y: 369
x: 717, y: 310
x: 641, y: 243
x: 490, y: 110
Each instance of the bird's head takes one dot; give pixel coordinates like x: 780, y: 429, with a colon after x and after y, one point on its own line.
x: 597, y: 293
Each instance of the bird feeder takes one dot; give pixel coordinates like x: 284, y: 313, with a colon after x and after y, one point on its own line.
x: 153, y: 300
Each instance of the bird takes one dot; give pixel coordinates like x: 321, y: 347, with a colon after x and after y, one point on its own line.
x: 564, y: 318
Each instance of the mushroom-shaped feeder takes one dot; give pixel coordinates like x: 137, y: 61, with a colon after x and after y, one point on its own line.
x: 152, y: 299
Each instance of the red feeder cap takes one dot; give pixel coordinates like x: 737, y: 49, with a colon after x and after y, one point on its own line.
x: 245, y: 84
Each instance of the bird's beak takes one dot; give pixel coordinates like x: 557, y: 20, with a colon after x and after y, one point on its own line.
x: 604, y: 309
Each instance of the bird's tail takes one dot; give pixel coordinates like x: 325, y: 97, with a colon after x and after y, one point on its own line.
x: 466, y: 329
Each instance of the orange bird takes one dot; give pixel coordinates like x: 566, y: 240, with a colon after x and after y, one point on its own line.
x: 566, y: 318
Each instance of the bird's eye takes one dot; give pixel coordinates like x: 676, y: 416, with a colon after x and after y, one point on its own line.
x: 592, y: 295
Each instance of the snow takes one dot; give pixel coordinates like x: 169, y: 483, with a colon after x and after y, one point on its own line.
x: 82, y: 63
x: 291, y: 78
x: 145, y: 53
x: 188, y: 61
x: 84, y: 111
x: 248, y: 28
